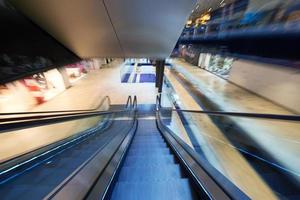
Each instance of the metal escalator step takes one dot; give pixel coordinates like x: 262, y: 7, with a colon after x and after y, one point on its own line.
x: 148, y: 137
x: 67, y: 162
x: 146, y: 145
x: 153, y: 190
x: 137, y: 160
x: 79, y: 153
x: 148, y: 133
x: 149, y: 151
x: 150, y: 173
x: 43, y: 177
x: 145, y: 154
x: 152, y: 145
x: 292, y: 197
x: 24, y: 192
x: 147, y: 141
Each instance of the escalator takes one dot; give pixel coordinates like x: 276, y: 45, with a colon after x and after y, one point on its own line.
x: 150, y: 170
x: 129, y: 155
x: 39, y: 174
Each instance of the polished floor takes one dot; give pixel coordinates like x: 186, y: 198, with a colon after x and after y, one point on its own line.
x: 84, y: 94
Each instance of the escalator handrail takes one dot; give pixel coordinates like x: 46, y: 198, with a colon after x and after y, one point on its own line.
x: 106, y: 98
x: 19, y: 161
x: 232, y: 114
x: 129, y: 102
x: 105, y: 177
x: 41, y: 120
x: 134, y: 103
x: 129, y: 105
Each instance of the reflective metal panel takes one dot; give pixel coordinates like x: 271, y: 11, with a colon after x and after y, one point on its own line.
x: 149, y: 28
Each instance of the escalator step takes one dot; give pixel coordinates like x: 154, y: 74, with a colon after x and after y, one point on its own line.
x: 157, y: 154
x: 152, y: 190
x: 149, y: 151
x: 45, y: 177
x: 67, y: 162
x: 150, y: 173
x: 145, y: 140
x: 80, y: 153
x: 137, y: 160
x: 148, y: 139
x: 24, y: 191
x: 147, y: 145
x: 148, y: 135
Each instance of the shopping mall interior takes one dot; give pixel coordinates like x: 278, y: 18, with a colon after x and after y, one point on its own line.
x: 160, y: 99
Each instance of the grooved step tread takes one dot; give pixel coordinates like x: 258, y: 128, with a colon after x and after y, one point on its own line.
x: 163, y: 172
x: 136, y: 160
x: 149, y: 151
x: 153, y: 190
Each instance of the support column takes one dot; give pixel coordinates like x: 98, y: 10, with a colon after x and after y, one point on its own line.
x: 160, y: 67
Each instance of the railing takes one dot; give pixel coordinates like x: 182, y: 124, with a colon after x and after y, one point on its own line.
x: 25, y: 159
x: 232, y: 114
x: 237, y: 149
x: 106, y: 98
x: 17, y: 123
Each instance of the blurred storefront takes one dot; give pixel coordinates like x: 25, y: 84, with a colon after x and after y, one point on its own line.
x: 217, y: 64
x: 24, y: 94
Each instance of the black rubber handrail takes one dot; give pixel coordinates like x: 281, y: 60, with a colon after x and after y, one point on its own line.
x: 134, y: 103
x: 59, y: 111
x: 129, y: 104
x: 10, y: 124
x: 233, y: 114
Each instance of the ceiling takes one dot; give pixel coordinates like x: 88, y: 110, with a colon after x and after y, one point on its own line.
x: 111, y: 28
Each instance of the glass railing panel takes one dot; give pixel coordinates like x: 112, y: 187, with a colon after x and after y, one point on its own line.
x: 19, y: 142
x: 259, y: 156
